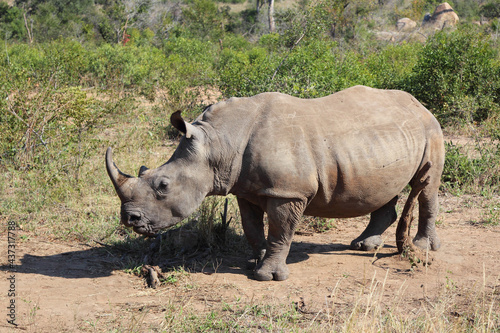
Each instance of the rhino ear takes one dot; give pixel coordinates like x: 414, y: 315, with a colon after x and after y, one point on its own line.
x: 178, y: 122
x: 142, y: 170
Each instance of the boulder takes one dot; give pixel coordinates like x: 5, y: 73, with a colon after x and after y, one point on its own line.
x: 386, y: 36
x: 405, y: 24
x: 443, y: 16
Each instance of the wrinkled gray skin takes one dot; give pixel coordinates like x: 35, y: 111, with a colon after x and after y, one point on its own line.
x: 344, y: 155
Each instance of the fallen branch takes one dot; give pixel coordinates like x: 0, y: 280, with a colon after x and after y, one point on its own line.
x: 151, y: 274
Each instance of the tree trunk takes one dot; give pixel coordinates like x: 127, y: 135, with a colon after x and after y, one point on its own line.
x: 272, y: 27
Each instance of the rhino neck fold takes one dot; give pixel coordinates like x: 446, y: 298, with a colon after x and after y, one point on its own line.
x: 228, y: 126
x: 220, y: 184
x: 222, y: 168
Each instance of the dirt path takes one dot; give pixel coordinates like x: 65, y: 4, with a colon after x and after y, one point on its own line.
x: 73, y: 287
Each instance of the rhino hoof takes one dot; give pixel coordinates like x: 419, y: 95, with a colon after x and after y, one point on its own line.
x: 367, y: 244
x: 263, y: 276
x: 424, y: 243
x: 267, y: 275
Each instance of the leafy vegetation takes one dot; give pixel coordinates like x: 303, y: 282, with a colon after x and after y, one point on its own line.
x: 61, y: 91
x: 455, y: 75
x: 78, y: 76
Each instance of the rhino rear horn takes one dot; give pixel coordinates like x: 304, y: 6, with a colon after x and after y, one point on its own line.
x: 118, y: 178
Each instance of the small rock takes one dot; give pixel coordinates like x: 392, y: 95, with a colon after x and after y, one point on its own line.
x: 405, y: 24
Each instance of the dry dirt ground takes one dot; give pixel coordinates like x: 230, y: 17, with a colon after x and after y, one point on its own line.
x: 62, y: 287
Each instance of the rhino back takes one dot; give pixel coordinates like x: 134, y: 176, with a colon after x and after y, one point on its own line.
x: 347, y: 154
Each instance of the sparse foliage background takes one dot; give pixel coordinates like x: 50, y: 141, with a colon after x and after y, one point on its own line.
x: 79, y: 76
x: 73, y: 72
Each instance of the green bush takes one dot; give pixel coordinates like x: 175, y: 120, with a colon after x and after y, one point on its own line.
x: 456, y: 76
x: 204, y: 20
x: 245, y: 73
x: 315, y: 69
x: 11, y: 22
x: 474, y: 170
x: 231, y: 1
x: 69, y: 63
x: 391, y: 65
x: 467, y: 9
x: 270, y: 41
x: 189, y: 63
x: 130, y: 67
x: 197, y: 57
x: 180, y: 64
x: 491, y: 9
x: 38, y: 126
x: 235, y: 42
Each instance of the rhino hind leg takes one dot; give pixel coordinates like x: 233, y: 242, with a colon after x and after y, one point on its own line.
x: 427, y: 237
x: 284, y: 216
x: 428, y: 205
x: 252, y: 218
x: 380, y: 220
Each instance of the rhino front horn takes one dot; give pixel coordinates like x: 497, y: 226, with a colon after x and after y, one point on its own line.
x: 121, y: 181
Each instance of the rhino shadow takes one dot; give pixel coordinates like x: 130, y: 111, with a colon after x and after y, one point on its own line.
x: 228, y: 262
x: 97, y: 262
x: 300, y: 251
x: 93, y: 262
x: 89, y: 263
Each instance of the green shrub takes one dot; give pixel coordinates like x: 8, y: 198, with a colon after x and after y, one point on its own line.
x: 204, y: 20
x: 491, y: 9
x: 392, y: 64
x: 270, y: 41
x: 11, y: 22
x: 117, y: 67
x: 472, y: 171
x: 456, y: 76
x: 245, y: 73
x: 196, y: 56
x: 69, y: 63
x: 40, y: 126
x: 466, y: 9
x: 189, y: 63
x: 315, y: 69
x: 235, y: 42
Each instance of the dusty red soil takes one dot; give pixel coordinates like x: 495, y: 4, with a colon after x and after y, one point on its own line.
x: 75, y: 287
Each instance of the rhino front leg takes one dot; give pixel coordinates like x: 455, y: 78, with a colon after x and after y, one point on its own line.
x: 380, y: 220
x: 283, y: 215
x: 252, y: 217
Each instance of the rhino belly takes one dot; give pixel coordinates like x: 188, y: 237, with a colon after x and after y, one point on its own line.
x: 357, y: 199
x: 365, y: 175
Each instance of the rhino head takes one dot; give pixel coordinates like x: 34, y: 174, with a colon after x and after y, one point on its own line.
x: 162, y: 197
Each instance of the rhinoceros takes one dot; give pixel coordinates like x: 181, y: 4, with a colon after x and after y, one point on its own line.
x: 339, y: 156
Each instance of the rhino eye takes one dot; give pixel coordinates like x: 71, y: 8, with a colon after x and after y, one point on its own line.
x: 162, y: 187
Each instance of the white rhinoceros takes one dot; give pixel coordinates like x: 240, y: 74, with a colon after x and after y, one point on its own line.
x: 344, y: 155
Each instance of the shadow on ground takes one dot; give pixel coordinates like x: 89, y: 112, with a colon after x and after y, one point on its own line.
x: 96, y: 262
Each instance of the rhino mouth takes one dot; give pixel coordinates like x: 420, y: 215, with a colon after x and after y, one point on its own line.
x: 145, y: 230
